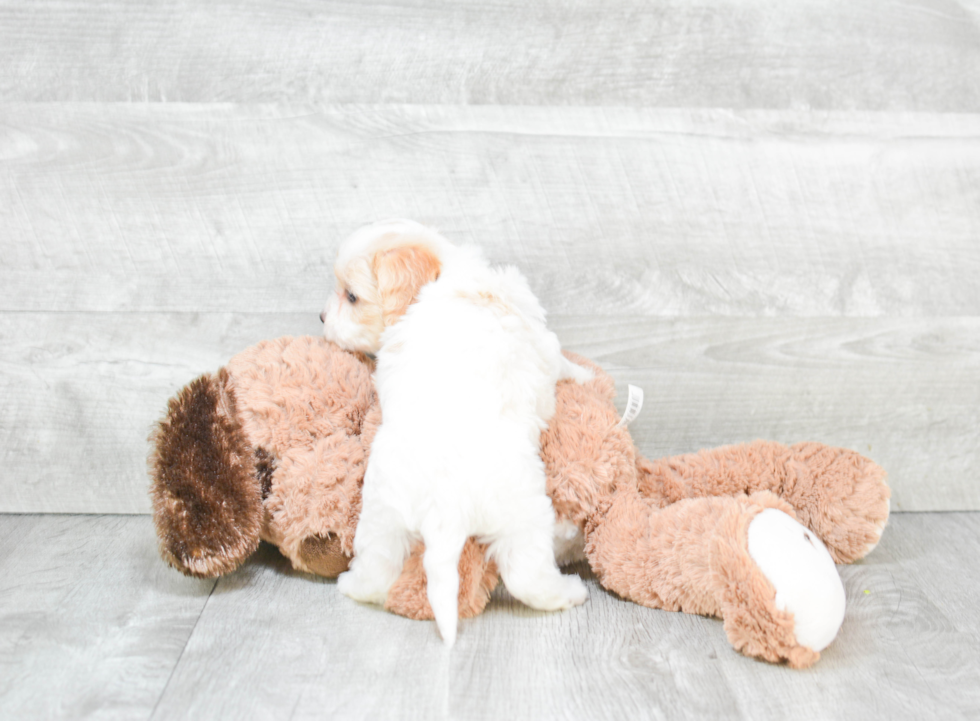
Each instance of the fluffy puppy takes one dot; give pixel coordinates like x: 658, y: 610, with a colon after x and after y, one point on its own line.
x: 466, y: 373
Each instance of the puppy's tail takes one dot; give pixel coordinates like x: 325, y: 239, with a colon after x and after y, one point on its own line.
x: 207, y: 496
x: 441, y: 562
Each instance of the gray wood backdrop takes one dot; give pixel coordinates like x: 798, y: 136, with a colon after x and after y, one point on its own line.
x: 765, y: 214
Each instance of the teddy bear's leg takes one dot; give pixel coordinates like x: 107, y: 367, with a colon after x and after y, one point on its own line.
x: 803, y: 574
x: 837, y: 493
x: 694, y: 556
x: 381, y: 545
x: 841, y: 495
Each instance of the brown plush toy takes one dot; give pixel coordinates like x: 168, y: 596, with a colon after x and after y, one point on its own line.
x: 274, y: 447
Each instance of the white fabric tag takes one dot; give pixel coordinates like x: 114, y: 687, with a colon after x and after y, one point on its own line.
x: 633, y: 405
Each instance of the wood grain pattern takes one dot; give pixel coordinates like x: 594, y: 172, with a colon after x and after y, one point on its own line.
x: 82, y: 390
x: 92, y: 625
x: 608, y: 211
x: 906, y: 393
x: 922, y: 55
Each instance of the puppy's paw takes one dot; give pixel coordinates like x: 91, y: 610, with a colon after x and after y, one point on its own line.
x: 575, y: 592
x: 353, y: 585
x: 575, y: 372
x: 559, y: 593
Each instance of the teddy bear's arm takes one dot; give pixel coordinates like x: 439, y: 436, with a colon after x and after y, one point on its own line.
x: 837, y: 493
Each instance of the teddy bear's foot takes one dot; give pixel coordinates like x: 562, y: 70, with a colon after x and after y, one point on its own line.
x: 780, y: 596
x: 323, y: 555
x: 801, y: 570
x: 839, y: 494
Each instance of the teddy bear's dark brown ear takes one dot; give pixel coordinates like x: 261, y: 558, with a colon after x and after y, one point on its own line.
x: 207, y: 496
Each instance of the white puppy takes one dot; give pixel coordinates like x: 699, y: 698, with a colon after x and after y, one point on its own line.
x: 466, y: 373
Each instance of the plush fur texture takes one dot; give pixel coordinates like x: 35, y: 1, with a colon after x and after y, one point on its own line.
x: 463, y: 343
x: 668, y: 533
x: 207, y: 503
x: 315, y: 412
x: 837, y: 493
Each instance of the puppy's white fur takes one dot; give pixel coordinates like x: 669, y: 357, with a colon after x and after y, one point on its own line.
x: 466, y: 373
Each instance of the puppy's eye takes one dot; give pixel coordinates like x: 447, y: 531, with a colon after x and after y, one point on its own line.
x: 351, y: 297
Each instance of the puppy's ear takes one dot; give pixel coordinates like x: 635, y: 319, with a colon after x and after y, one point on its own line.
x: 401, y: 273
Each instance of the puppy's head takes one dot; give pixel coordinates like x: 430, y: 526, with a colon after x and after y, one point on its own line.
x: 380, y: 270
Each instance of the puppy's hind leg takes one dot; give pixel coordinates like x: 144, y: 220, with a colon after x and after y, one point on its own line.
x: 525, y: 555
x: 443, y: 546
x: 381, y: 545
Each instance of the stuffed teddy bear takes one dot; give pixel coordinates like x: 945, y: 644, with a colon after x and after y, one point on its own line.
x: 274, y: 445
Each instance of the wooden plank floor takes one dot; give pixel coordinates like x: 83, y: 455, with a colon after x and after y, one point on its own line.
x: 94, y: 625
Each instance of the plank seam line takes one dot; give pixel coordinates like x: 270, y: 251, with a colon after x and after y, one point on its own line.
x: 163, y: 691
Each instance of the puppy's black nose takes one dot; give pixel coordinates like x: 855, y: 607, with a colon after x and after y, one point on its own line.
x: 323, y: 317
